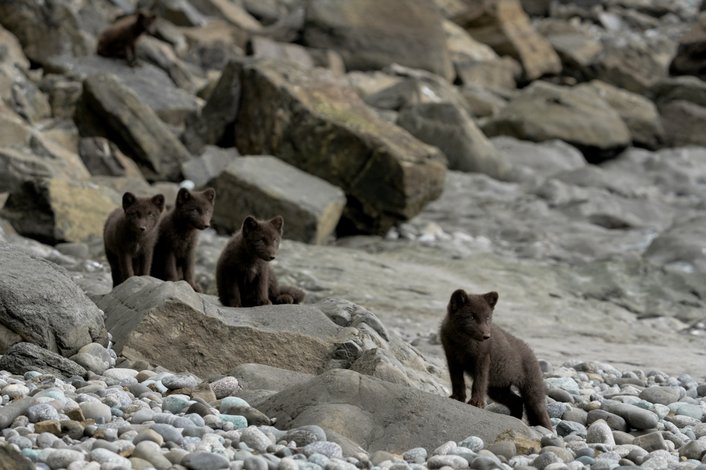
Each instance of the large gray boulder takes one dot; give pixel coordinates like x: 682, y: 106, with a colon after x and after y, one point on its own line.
x: 315, y: 122
x: 265, y: 186
x: 504, y: 26
x: 167, y: 323
x: 380, y: 415
x: 55, y: 210
x: 39, y: 303
x: 638, y: 113
x: 109, y: 108
x: 578, y: 116
x: 25, y: 357
x: 370, y: 34
x: 46, y: 29
x: 681, y: 246
x: 451, y: 130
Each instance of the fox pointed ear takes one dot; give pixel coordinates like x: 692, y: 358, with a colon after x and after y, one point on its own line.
x: 249, y: 224
x: 278, y: 223
x: 182, y: 196
x: 210, y: 194
x: 158, y: 200
x: 491, y: 298
x: 128, y: 200
x: 458, y: 299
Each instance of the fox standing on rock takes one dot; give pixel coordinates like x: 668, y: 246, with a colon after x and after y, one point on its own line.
x: 492, y: 357
x: 120, y: 38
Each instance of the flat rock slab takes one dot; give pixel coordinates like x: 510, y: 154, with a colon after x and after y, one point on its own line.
x: 107, y: 106
x: 380, y: 415
x: 169, y: 324
x: 39, y: 303
x: 314, y: 121
x: 265, y: 186
x: 25, y: 357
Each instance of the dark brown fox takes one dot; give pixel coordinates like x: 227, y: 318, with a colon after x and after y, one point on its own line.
x: 492, y: 357
x: 244, y: 276
x: 129, y: 236
x: 119, y: 39
x: 178, y: 233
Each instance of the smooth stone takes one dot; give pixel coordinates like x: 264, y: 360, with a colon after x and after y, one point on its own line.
x: 661, y: 395
x: 239, y: 422
x: 329, y: 449
x: 232, y: 402
x: 148, y: 435
x: 560, y: 395
x: 599, y: 432
x: 651, y: 441
x: 106, y: 457
x: 576, y: 415
x: 96, y: 410
x: 564, y: 383
x: 614, y: 421
x: 658, y: 459
x: 123, y: 375
x: 15, y: 391
x: 204, y: 461
x: 259, y: 463
x: 503, y: 448
x: 177, y: 381
x: 151, y: 451
x: 417, y: 455
x: 564, y: 454
x: 168, y: 432
x: 474, y: 443
x: 556, y: 409
x: 687, y: 409
x: 564, y: 428
x: 636, y: 417
x: 694, y: 450
x: 452, y: 461
x: 62, y: 458
x: 543, y: 460
x: 42, y: 412
x: 255, y: 439
x: 304, y: 435
x: 175, y: 403
x: 225, y: 387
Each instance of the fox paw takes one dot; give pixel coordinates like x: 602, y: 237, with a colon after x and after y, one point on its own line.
x: 479, y: 403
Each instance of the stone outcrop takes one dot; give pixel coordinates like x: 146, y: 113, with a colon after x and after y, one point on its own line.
x: 577, y: 116
x: 265, y: 186
x: 24, y: 357
x: 370, y: 34
x: 313, y: 121
x: 39, y: 303
x: 504, y: 26
x: 63, y: 210
x: 110, y: 108
x: 380, y: 415
x: 167, y: 323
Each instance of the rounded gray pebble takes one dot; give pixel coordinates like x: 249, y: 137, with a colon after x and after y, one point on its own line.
x: 62, y: 458
x: 177, y: 381
x: 661, y: 395
x: 453, y: 461
x: 42, y: 412
x: 204, y: 461
x: 416, y: 455
x: 600, y: 433
x: 255, y: 439
x: 329, y: 449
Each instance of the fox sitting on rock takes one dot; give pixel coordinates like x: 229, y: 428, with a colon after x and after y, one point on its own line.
x: 129, y: 236
x: 492, y: 357
x: 120, y: 38
x: 178, y: 231
x: 244, y: 276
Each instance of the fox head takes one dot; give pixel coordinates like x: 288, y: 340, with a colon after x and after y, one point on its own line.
x: 472, y: 314
x: 195, y: 207
x: 142, y: 214
x: 263, y: 236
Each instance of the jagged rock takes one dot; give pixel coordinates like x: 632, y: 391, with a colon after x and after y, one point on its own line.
x: 102, y: 157
x: 12, y: 459
x: 169, y: 324
x: 62, y: 210
x: 265, y: 48
x: 689, y: 58
x: 482, y: 102
x: 630, y: 68
x: 179, y: 103
x: 229, y: 11
x: 18, y: 166
x: 577, y: 116
x: 313, y: 121
x: 683, y: 123
x: 452, y: 131
x: 24, y: 357
x: 39, y: 303
x: 131, y: 124
x: 687, y: 88
x: 212, y: 125
x: 265, y: 186
x: 213, y: 45
x: 14, y: 132
x: 504, y: 26
x: 207, y: 166
x: 46, y: 29
x: 63, y: 93
x: 151, y: 85
x: 463, y: 48
x: 638, y: 113
x: 380, y: 415
x: 178, y: 12
x: 498, y: 73
x: 12, y: 51
x: 577, y: 50
x: 370, y: 34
